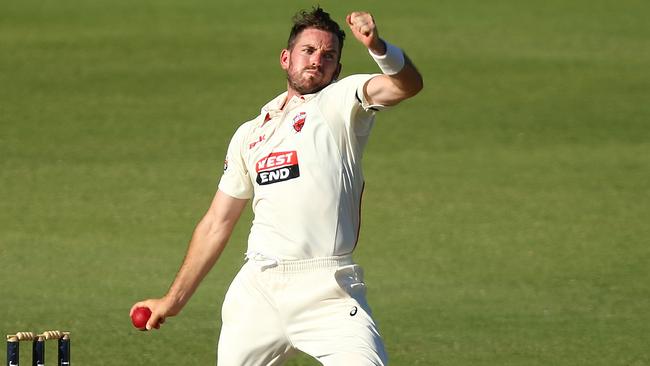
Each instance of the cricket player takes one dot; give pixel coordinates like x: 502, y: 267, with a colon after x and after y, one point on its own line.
x: 299, y: 161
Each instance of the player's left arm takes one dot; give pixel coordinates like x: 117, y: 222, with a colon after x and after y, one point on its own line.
x: 400, y: 79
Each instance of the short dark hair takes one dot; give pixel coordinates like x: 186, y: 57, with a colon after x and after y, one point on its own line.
x: 316, y: 18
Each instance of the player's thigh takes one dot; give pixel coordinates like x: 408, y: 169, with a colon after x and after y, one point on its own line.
x: 337, y: 325
x: 347, y: 336
x: 251, y: 334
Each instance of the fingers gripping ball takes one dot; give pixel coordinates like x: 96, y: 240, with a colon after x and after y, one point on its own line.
x: 140, y: 317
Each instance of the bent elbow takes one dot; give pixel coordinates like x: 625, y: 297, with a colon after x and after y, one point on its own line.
x: 418, y: 85
x: 414, y: 87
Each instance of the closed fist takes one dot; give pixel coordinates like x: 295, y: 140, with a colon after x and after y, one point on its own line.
x: 363, y: 27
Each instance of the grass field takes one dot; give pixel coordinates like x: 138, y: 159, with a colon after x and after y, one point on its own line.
x: 506, y: 218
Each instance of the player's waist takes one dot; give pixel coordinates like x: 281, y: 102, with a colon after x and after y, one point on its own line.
x: 270, y: 263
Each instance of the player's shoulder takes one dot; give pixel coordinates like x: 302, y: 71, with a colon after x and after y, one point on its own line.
x: 248, y: 124
x: 243, y: 131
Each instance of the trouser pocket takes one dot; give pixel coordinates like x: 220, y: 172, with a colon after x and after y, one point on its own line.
x: 350, y: 280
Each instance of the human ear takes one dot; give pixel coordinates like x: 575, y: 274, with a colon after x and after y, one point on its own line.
x: 284, y: 59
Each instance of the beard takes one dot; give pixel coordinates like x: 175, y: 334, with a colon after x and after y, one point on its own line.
x: 308, y: 80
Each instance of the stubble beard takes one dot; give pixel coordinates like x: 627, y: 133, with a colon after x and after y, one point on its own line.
x: 303, y: 84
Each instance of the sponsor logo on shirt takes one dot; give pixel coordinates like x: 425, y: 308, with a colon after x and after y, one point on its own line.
x: 259, y: 139
x: 277, y: 167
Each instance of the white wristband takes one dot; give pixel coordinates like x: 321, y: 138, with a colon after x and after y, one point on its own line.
x: 392, y: 61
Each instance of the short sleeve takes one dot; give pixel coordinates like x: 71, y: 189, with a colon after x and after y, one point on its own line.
x: 236, y: 181
x: 350, y: 91
x: 363, y: 101
x: 345, y: 101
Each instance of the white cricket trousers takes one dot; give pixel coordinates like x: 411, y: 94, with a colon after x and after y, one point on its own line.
x: 274, y: 308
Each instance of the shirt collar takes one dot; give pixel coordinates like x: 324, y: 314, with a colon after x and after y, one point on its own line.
x: 276, y: 103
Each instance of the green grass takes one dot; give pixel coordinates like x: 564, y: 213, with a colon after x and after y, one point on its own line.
x: 507, y: 207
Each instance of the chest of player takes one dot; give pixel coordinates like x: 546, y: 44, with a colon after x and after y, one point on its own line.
x: 294, y: 146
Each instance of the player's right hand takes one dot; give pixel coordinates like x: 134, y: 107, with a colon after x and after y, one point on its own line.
x: 364, y: 29
x: 160, y: 310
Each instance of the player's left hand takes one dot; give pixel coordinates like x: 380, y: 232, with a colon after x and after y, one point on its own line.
x: 365, y: 31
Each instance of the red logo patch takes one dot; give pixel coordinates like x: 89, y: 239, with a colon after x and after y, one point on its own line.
x: 299, y: 121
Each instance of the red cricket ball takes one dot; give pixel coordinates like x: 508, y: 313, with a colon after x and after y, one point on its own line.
x: 140, y: 317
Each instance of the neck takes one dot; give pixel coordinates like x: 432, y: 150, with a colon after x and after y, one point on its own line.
x: 290, y: 94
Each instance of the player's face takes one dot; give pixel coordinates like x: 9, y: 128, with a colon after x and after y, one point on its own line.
x: 313, y: 62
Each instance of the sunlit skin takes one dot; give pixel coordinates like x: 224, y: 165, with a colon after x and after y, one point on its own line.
x: 312, y: 63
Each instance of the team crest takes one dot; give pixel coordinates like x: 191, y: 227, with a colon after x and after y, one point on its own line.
x: 299, y: 121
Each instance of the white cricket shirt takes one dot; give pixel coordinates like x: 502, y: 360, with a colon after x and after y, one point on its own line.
x: 302, y: 167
